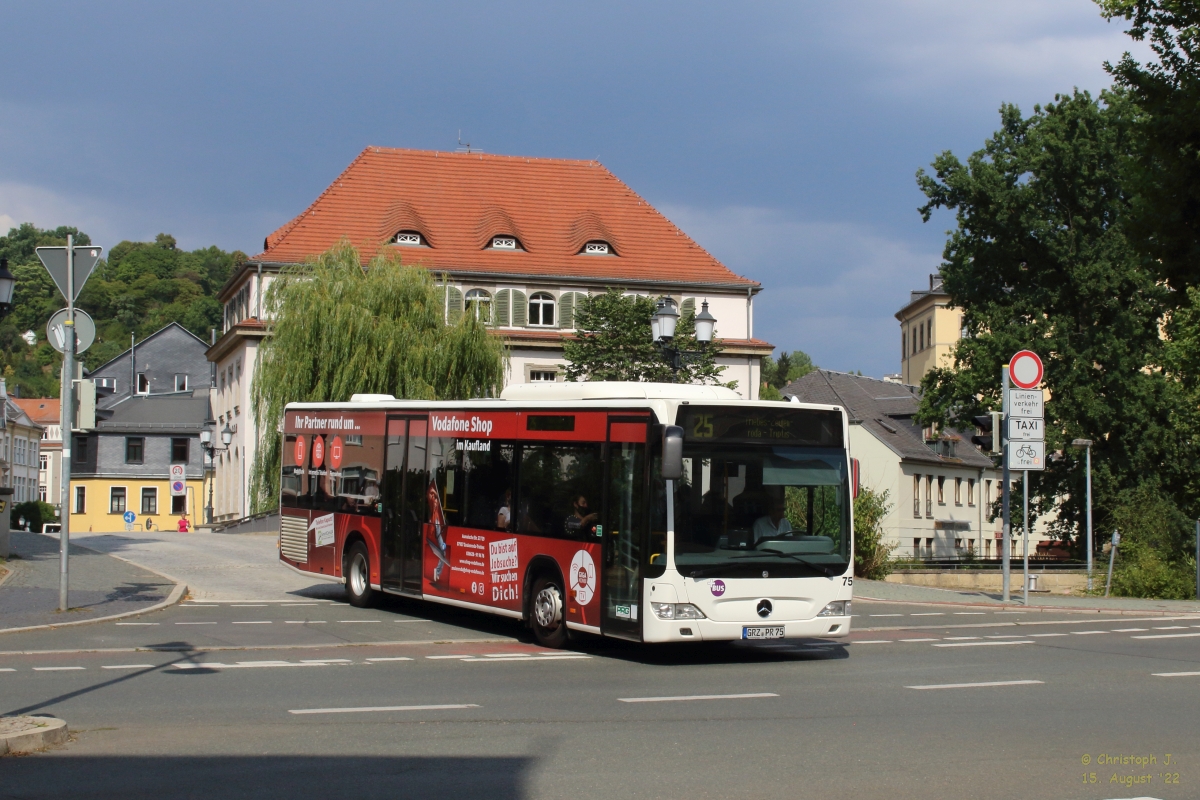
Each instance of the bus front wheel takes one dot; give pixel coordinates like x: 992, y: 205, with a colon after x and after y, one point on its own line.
x: 358, y: 576
x: 549, y: 626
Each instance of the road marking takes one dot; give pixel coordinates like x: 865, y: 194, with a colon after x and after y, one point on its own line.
x: 1007, y: 636
x: 137, y: 623
x: 521, y: 658
x: 984, y: 644
x: 696, y: 697
x: 436, y: 657
x: 930, y: 614
x: 326, y: 661
x: 1008, y: 612
x: 969, y: 613
x: 306, y: 621
x: 1086, y: 633
x: 1171, y: 628
x: 1175, y: 674
x: 195, y: 623
x: 128, y: 666
x: 447, y: 707
x: 54, y: 669
x: 873, y: 641
x: 7, y: 669
x: 395, y: 658
x: 247, y: 605
x: 1129, y: 630
x: 960, y: 638
x: 974, y: 685
x: 253, y: 622
x: 247, y: 665
x: 1035, y: 635
x: 918, y: 640
x: 360, y: 620
x: 1165, y: 636
x: 887, y: 615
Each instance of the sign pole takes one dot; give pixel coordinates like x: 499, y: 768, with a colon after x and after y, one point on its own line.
x: 68, y: 419
x: 1089, y: 521
x: 1025, y: 543
x: 1004, y: 507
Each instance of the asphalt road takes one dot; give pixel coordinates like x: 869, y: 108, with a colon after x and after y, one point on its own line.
x: 309, y: 697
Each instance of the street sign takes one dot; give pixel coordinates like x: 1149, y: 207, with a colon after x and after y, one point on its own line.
x: 1025, y: 403
x: 55, y: 261
x: 177, y: 472
x: 1027, y: 455
x: 178, y: 489
x: 56, y: 331
x: 1025, y: 369
x: 1026, y: 429
x: 130, y: 517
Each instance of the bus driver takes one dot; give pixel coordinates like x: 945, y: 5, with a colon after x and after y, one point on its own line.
x: 774, y: 524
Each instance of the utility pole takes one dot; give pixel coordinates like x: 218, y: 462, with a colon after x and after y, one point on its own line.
x: 1004, y: 488
x: 1025, y: 540
x: 68, y: 418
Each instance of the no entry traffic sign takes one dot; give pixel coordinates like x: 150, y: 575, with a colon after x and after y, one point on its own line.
x: 1025, y: 369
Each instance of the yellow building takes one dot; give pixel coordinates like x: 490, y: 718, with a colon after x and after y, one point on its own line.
x: 929, y: 329
x: 128, y: 463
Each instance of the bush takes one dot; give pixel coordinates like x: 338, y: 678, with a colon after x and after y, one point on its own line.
x: 1154, y: 557
x: 35, y: 513
x: 872, y: 557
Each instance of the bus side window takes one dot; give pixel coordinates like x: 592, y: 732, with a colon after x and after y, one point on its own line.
x: 487, y: 484
x: 560, y: 490
x: 292, y: 475
x: 358, y: 479
x: 447, y: 474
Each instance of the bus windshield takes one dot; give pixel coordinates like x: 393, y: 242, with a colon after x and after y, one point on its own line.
x: 750, y: 509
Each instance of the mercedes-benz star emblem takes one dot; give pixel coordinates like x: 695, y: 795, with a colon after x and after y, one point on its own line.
x: 765, y: 608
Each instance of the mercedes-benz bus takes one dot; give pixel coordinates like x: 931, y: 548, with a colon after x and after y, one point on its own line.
x: 647, y: 512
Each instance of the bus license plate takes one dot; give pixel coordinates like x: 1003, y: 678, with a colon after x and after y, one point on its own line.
x: 772, y: 632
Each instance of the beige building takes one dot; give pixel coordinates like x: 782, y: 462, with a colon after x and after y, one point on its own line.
x: 929, y: 329
x: 20, y: 451
x: 45, y: 411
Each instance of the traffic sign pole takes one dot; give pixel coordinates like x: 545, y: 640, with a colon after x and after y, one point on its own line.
x: 68, y: 437
x: 1025, y: 544
x: 1004, y: 508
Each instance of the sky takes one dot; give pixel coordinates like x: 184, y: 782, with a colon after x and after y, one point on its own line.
x: 783, y: 136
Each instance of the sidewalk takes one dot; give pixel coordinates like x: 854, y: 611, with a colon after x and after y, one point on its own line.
x: 903, y: 593
x: 101, y: 585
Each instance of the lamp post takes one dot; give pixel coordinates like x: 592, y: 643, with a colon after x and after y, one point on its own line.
x: 1086, y: 444
x: 210, y: 451
x: 662, y: 332
x: 8, y: 284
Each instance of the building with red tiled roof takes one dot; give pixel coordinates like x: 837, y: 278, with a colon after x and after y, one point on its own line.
x: 523, y: 239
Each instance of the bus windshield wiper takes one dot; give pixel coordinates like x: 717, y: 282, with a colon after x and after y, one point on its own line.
x: 824, y: 569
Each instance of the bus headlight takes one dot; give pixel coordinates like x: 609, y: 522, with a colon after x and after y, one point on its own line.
x: 676, y: 611
x: 838, y: 608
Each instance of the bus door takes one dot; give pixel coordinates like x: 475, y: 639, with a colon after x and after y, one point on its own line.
x: 625, y: 521
x: 404, y: 504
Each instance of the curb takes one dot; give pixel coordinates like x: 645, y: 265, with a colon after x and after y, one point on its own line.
x: 1122, y: 612
x: 176, y: 595
x: 30, y: 734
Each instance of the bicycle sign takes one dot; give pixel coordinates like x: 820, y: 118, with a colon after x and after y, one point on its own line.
x: 1027, y: 456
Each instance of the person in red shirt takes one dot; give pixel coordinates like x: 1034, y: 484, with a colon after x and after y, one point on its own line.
x: 183, y: 524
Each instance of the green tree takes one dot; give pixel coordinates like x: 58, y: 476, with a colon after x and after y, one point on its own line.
x: 872, y: 556
x: 778, y: 373
x: 1155, y: 556
x: 1041, y: 259
x: 613, y: 344
x: 339, y: 329
x: 1166, y: 181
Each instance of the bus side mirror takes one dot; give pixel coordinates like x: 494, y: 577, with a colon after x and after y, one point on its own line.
x: 672, y: 453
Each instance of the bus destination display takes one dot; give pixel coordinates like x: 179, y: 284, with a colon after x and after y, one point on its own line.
x: 784, y: 426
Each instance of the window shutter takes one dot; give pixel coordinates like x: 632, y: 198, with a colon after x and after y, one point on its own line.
x: 455, y: 312
x: 520, y: 309
x: 501, y: 303
x: 566, y: 310
x: 687, y: 307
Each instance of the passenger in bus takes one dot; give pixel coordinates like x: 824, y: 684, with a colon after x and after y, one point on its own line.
x: 580, y: 521
x: 504, y: 515
x: 370, y: 494
x: 774, y: 524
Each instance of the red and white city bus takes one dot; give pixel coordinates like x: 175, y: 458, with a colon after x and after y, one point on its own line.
x: 651, y: 512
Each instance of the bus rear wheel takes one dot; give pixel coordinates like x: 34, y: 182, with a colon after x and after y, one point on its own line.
x: 358, y: 576
x: 546, y: 617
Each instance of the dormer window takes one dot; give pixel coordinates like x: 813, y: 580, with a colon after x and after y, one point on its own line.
x: 597, y: 248
x: 409, y: 239
x: 505, y: 243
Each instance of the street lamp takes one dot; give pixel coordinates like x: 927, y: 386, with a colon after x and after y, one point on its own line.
x: 8, y: 284
x: 662, y: 332
x: 210, y: 450
x: 1086, y: 444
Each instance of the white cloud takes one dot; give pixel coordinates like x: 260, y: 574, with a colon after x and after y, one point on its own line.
x: 20, y: 202
x: 829, y: 288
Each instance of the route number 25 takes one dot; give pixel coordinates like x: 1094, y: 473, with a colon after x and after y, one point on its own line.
x: 703, y: 429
